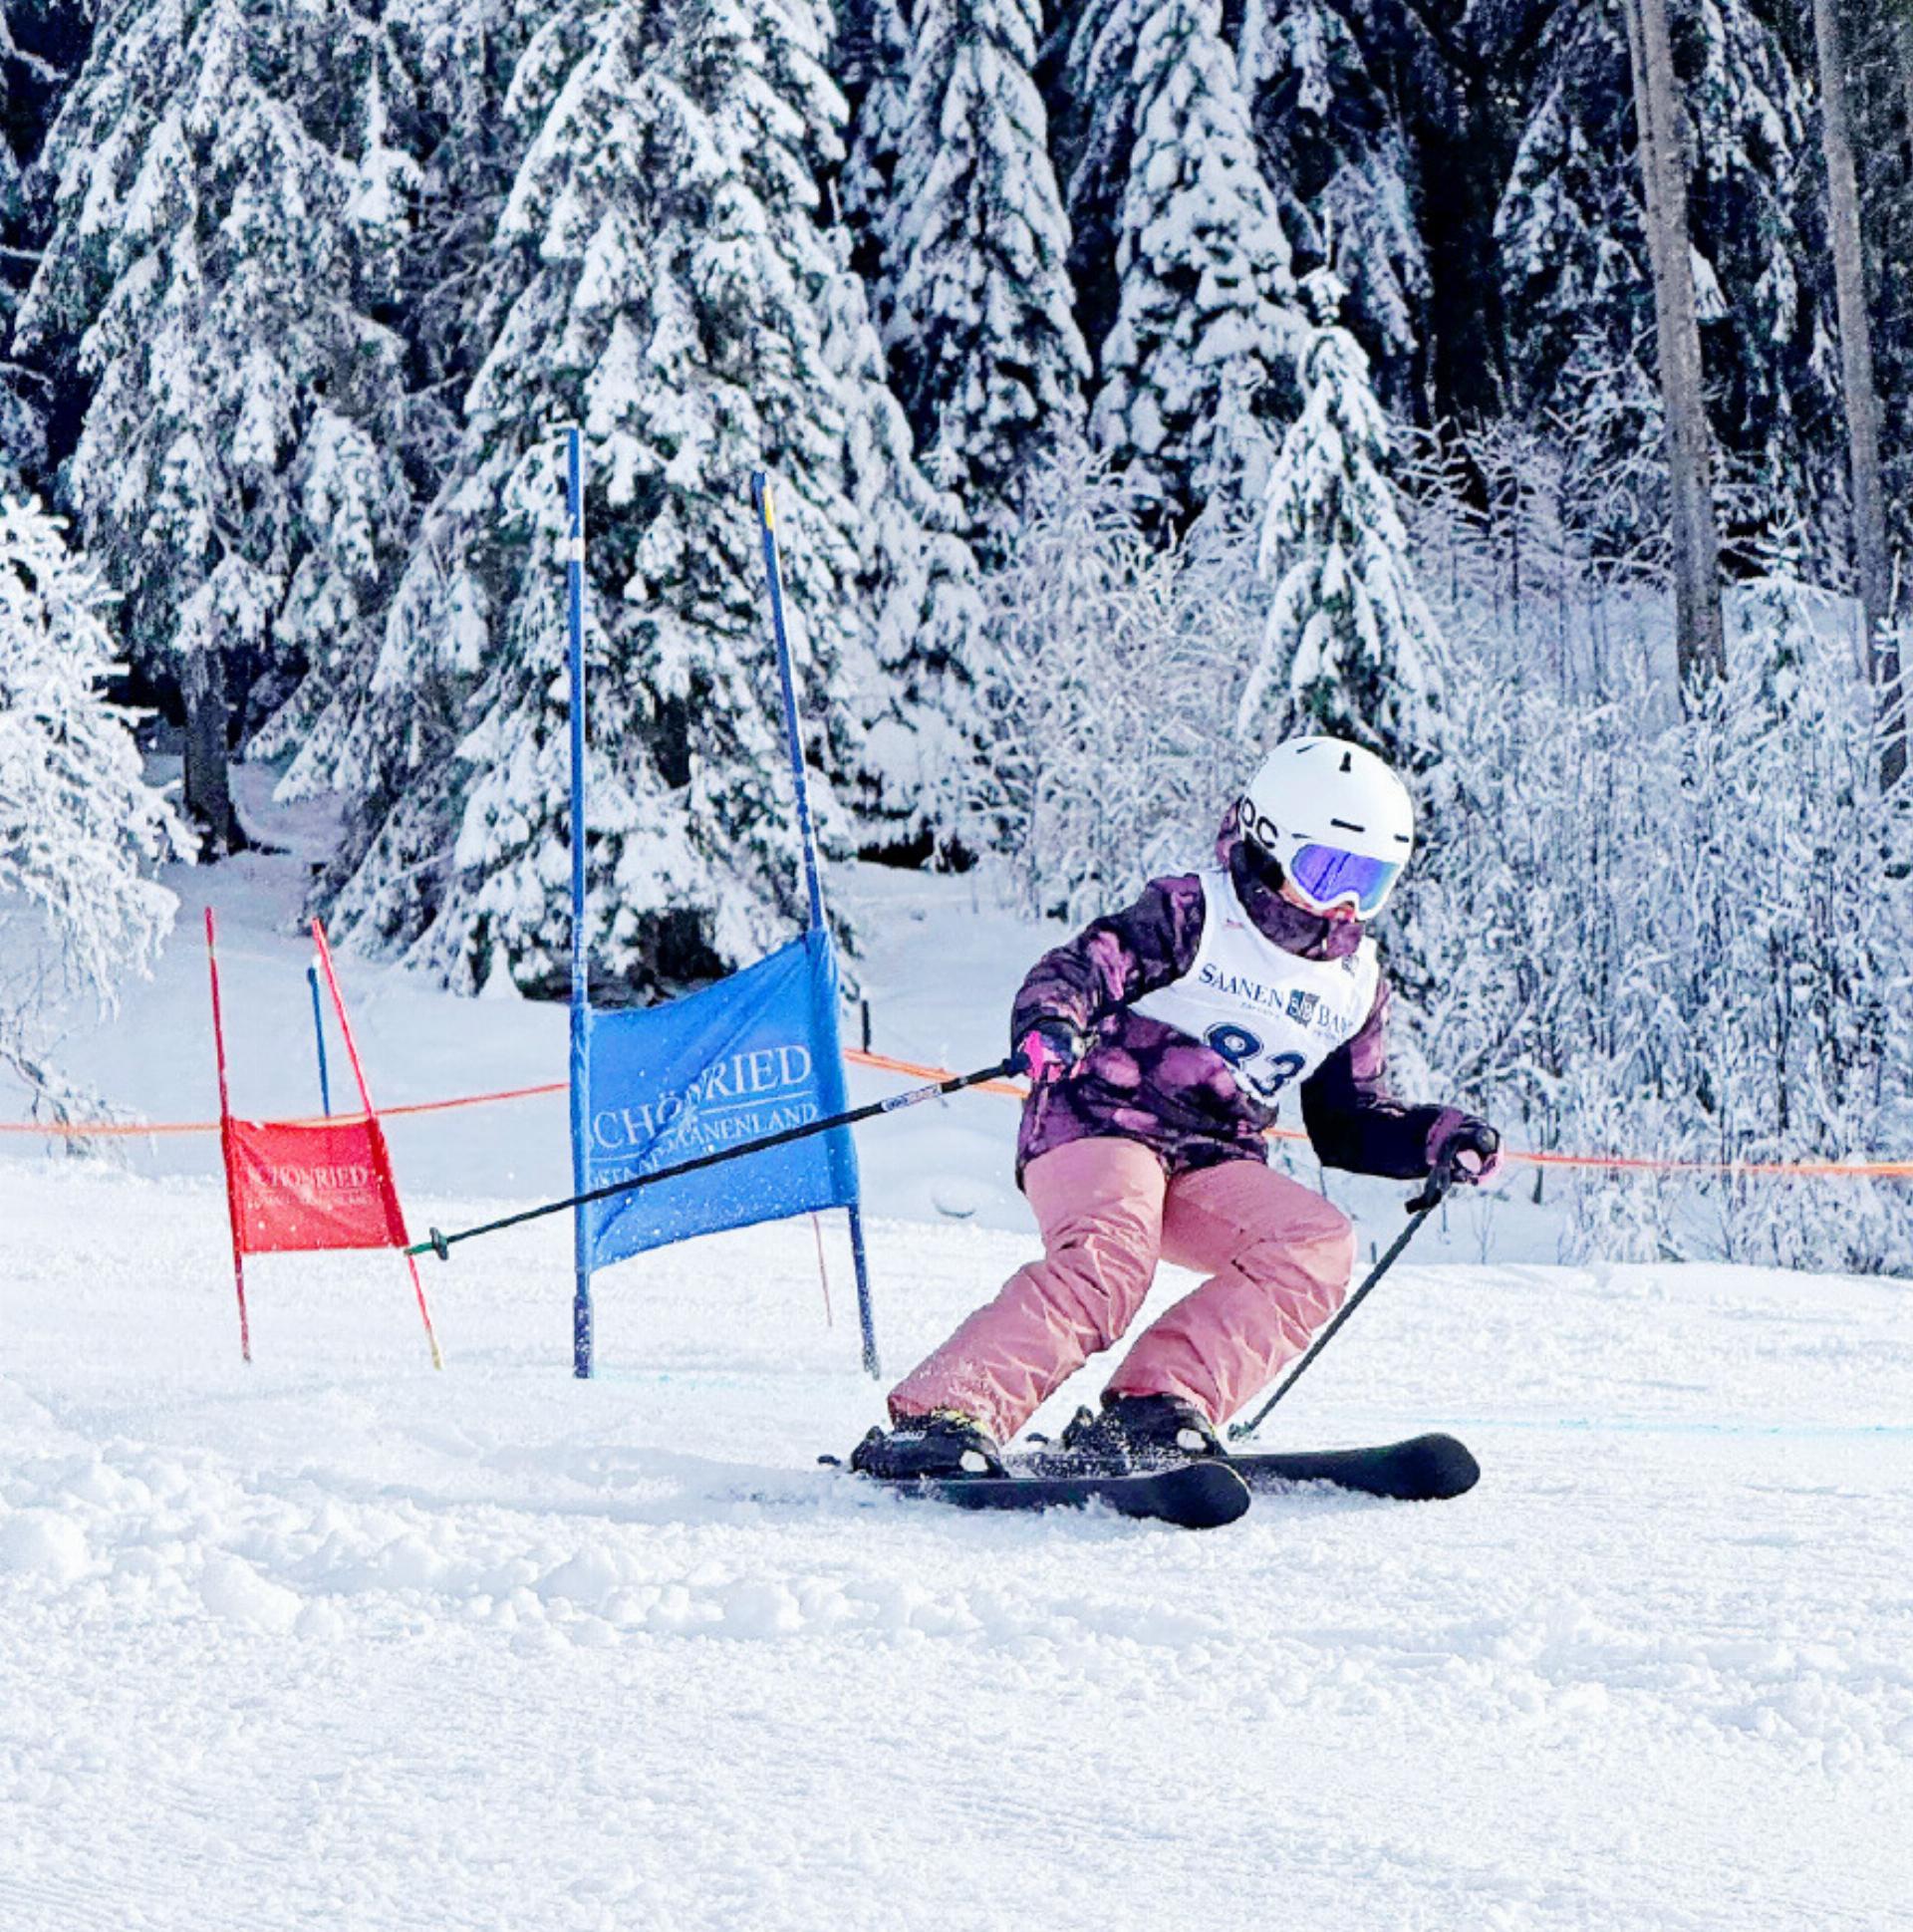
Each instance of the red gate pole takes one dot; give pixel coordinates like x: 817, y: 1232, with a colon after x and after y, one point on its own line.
x: 378, y: 1133
x: 225, y: 1145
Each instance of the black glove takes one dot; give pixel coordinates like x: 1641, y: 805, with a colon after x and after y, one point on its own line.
x: 1465, y: 1150
x: 1052, y: 1049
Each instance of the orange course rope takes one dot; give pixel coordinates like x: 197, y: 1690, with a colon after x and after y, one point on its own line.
x: 110, y: 1129
x: 1878, y: 1170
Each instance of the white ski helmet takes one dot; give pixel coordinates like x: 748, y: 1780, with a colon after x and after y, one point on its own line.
x: 1336, y: 820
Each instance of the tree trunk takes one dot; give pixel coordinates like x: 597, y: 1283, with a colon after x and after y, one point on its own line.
x: 1862, y: 393
x: 1699, y: 648
x: 202, y: 687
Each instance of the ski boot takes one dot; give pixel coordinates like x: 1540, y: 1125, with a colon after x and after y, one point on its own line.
x: 1139, y: 1431
x: 944, y: 1443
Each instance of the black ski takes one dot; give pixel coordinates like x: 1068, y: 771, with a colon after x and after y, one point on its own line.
x: 1192, y: 1495
x: 1425, y: 1468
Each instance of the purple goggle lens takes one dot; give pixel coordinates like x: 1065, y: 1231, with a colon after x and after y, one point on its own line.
x: 1328, y: 876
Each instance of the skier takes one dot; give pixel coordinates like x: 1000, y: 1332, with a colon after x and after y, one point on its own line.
x: 1158, y: 1042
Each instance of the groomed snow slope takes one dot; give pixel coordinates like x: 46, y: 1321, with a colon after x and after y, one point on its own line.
x: 337, y: 1643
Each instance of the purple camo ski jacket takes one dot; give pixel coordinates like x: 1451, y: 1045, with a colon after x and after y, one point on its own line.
x: 1145, y: 1081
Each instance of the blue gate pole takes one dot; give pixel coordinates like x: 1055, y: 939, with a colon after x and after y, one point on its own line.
x: 581, y: 1323
x: 766, y: 509
x: 319, y: 1035
x: 793, y: 737
x: 872, y: 1366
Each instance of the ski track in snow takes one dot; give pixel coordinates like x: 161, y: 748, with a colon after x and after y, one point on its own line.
x: 337, y: 1642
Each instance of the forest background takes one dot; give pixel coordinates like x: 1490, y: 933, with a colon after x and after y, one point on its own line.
x: 1518, y: 388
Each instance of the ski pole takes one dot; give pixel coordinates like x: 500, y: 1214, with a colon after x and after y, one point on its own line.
x: 441, y: 1245
x: 1419, y: 1208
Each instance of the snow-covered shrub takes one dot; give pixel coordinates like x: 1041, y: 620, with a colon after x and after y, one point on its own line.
x: 1111, y: 674
x: 1641, y: 934
x: 79, y: 825
x: 1800, y: 974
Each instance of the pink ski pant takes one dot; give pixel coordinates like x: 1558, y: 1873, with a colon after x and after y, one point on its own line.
x: 1278, y: 1256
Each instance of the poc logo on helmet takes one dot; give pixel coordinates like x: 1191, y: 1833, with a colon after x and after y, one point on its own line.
x: 1254, y: 824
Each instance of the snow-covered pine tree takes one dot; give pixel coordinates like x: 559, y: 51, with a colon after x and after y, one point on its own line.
x: 985, y: 352
x: 21, y: 431
x: 231, y: 471
x: 460, y: 58
x: 1092, y: 118
x: 873, y: 69
x: 1571, y: 242
x: 18, y: 429
x: 1193, y: 373
x: 1757, y: 210
x: 1349, y: 646
x: 79, y: 825
x: 883, y: 589
x: 1860, y: 391
x: 1570, y: 233
x: 1879, y: 43
x: 1339, y: 159
x: 680, y: 294
x: 434, y: 160
x: 40, y: 44
x: 909, y: 684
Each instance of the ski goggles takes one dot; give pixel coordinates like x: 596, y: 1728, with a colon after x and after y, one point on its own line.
x: 1327, y: 877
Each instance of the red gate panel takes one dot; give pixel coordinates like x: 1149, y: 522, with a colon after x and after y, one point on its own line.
x: 324, y: 1184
